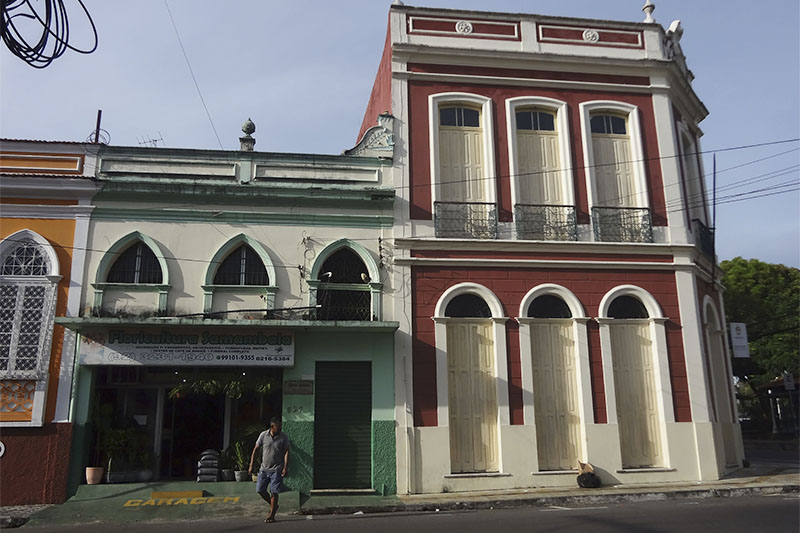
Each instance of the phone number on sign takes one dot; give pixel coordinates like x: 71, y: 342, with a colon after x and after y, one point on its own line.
x: 246, y: 357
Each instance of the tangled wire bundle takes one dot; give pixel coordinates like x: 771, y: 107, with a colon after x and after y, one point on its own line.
x: 50, y: 29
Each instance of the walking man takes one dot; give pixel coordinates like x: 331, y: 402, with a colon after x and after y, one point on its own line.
x: 274, y: 461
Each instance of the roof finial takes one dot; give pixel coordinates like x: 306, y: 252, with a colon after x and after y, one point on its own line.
x: 247, y: 142
x: 648, y: 9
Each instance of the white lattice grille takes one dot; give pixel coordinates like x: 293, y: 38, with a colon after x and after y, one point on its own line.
x: 25, y: 260
x: 26, y: 326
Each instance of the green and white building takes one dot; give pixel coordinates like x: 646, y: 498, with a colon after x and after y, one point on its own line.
x: 259, y: 278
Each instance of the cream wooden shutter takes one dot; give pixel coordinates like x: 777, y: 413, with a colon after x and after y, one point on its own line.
x: 461, y: 165
x: 613, y: 170
x: 634, y: 380
x: 538, y: 164
x: 472, y: 396
x: 555, y: 394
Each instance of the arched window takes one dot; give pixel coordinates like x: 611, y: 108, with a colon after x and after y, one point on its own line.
x: 28, y: 279
x: 462, y: 166
x: 243, y: 266
x: 615, y: 171
x: 467, y: 306
x: 133, y: 269
x: 549, y: 306
x: 26, y: 259
x: 627, y: 307
x: 138, y: 264
x: 344, y: 290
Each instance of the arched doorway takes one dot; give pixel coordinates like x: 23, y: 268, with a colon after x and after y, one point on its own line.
x: 633, y: 361
x: 555, y: 383
x: 471, y: 385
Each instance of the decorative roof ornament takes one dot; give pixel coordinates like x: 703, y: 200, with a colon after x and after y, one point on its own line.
x: 247, y: 143
x: 648, y: 9
x: 378, y: 141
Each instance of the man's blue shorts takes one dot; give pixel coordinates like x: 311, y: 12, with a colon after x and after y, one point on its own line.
x: 273, y: 479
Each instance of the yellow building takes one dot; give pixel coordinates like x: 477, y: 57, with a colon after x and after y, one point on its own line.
x: 45, y: 195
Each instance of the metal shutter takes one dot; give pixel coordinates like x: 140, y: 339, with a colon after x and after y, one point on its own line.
x: 343, y: 425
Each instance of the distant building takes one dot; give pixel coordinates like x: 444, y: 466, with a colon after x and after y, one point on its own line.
x: 46, y: 190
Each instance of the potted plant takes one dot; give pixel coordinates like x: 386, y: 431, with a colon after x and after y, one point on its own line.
x: 227, y: 464
x: 241, y: 461
x: 102, y: 416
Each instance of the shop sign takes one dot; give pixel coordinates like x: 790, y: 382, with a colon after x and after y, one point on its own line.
x: 739, y: 342
x: 301, y: 387
x: 164, y: 347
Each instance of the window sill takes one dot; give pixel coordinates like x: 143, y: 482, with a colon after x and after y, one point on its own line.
x: 555, y: 473
x: 646, y: 470
x: 476, y: 475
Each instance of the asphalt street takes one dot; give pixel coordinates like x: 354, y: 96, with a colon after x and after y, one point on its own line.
x: 773, y: 514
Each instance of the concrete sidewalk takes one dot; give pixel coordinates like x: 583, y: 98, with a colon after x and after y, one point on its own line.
x: 138, y: 503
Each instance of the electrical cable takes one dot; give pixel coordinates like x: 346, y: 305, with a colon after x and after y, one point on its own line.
x: 54, y: 38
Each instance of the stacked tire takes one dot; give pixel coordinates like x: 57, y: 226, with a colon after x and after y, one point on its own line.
x: 208, y: 466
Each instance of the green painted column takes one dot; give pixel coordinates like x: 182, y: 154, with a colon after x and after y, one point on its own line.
x: 81, y: 434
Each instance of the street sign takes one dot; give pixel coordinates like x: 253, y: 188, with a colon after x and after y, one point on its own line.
x: 739, y: 339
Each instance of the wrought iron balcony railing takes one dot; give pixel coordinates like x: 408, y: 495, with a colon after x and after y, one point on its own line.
x: 703, y: 238
x: 545, y: 222
x: 622, y: 224
x: 465, y: 220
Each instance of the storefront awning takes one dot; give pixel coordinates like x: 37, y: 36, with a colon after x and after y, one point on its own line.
x: 78, y: 324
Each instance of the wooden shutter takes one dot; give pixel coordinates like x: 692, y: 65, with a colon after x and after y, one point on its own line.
x: 343, y: 425
x: 613, y: 171
x: 537, y: 160
x: 461, y: 165
x: 555, y: 394
x: 472, y: 396
x: 634, y: 380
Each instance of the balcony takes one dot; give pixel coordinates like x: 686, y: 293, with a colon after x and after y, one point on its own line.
x: 703, y: 238
x: 545, y: 222
x: 465, y: 220
x: 622, y: 224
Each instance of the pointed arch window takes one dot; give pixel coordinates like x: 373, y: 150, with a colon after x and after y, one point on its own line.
x: 28, y: 280
x: 133, y: 264
x: 243, y: 266
x: 344, y: 291
x: 240, y: 280
x: 137, y: 264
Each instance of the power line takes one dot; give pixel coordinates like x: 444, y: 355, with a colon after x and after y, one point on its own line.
x: 188, y: 64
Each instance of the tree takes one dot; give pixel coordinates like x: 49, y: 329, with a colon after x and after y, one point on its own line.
x: 766, y: 297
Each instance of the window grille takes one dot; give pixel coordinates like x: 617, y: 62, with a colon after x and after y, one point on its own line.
x: 344, y: 292
x: 243, y: 266
x: 138, y: 264
x: 25, y: 260
x: 27, y: 306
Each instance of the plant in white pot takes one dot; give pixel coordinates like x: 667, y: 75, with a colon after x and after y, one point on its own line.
x: 241, y: 460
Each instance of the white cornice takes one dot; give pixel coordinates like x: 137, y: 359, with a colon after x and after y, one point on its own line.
x: 541, y: 263
x: 63, y: 212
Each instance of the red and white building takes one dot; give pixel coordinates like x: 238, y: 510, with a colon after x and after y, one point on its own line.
x: 552, y: 257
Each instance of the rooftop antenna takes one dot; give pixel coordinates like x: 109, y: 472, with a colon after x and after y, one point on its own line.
x: 147, y: 141
x: 99, y: 135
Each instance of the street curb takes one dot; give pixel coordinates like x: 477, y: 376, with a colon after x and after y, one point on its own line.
x: 544, y: 501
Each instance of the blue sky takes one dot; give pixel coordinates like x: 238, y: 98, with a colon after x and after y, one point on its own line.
x: 303, y: 71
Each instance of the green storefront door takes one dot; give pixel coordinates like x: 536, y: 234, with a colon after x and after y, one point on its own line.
x: 343, y: 425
